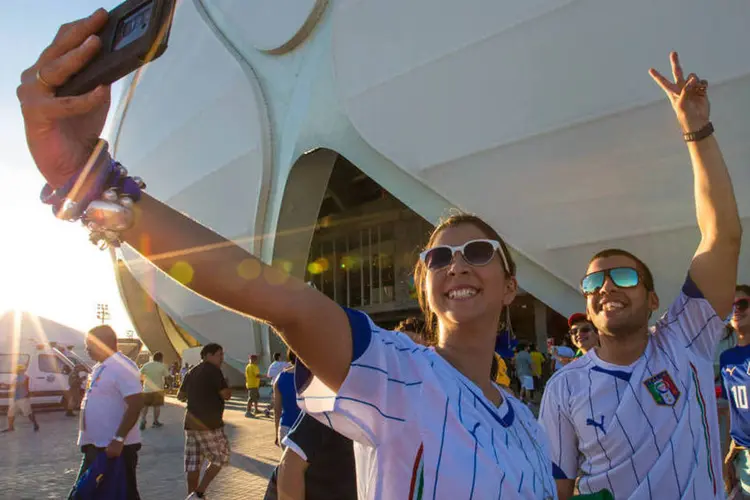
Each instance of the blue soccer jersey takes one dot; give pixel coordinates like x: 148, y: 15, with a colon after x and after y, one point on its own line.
x: 735, y: 377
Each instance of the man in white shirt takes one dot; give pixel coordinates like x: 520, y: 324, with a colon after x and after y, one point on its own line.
x: 111, y: 407
x: 276, y: 367
x: 637, y: 415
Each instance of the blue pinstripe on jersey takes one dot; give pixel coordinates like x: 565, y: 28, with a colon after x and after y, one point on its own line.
x: 474, y: 470
x: 596, y: 431
x: 440, y: 454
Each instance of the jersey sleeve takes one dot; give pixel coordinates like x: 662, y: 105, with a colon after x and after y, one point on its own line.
x: 556, y: 422
x: 381, y: 390
x: 692, y: 322
x: 129, y: 379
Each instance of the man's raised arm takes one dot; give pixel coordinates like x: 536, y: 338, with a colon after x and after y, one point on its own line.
x: 714, y: 266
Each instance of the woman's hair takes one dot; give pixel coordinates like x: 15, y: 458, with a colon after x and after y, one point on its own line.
x: 291, y: 356
x: 420, y: 271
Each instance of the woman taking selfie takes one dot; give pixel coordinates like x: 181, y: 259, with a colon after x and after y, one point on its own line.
x: 431, y: 418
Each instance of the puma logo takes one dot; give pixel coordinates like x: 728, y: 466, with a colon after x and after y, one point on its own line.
x: 595, y: 424
x: 730, y: 369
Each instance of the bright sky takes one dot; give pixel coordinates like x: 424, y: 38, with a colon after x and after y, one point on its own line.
x: 47, y: 267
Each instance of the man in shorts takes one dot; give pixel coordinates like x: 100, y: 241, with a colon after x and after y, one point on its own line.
x: 205, y: 389
x: 154, y: 375
x: 252, y: 384
x: 21, y: 401
x: 525, y: 373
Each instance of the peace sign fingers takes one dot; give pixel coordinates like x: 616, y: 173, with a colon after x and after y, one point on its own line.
x: 679, y: 78
x: 671, y: 89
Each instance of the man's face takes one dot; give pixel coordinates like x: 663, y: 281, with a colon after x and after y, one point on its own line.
x: 96, y: 349
x: 216, y: 358
x: 619, y: 311
x: 584, y: 335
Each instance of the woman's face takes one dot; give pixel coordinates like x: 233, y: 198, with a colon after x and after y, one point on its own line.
x: 462, y: 293
x: 741, y: 318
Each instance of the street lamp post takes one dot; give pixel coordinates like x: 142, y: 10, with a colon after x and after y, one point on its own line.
x: 102, y: 312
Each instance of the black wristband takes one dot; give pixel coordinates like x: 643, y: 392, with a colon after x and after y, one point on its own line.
x: 699, y: 135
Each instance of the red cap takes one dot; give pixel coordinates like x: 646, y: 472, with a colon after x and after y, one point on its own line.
x: 575, y: 318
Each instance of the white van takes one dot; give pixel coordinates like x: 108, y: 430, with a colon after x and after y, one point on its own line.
x: 47, y: 369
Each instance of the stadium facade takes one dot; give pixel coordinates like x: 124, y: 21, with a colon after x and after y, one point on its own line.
x: 326, y: 137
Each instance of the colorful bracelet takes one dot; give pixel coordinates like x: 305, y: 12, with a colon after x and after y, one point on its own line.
x: 101, y: 196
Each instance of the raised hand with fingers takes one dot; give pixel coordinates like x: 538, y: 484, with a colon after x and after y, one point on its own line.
x: 687, y: 95
x: 62, y: 131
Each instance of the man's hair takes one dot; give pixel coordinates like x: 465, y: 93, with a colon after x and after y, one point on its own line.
x: 641, y: 267
x: 105, y: 334
x: 158, y: 356
x: 276, y: 356
x: 743, y: 288
x: 210, y: 349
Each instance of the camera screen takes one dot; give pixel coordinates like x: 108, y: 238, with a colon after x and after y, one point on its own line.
x: 133, y: 26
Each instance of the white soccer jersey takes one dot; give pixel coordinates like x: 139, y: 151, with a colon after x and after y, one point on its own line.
x: 423, y: 429
x: 649, y: 430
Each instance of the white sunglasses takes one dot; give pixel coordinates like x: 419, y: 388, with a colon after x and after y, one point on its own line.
x: 474, y: 252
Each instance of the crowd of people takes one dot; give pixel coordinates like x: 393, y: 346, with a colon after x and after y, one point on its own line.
x: 632, y: 415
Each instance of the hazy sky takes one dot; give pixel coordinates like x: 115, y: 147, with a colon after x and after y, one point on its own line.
x: 47, y: 267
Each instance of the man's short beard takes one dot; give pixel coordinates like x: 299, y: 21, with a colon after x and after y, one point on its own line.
x: 633, y: 326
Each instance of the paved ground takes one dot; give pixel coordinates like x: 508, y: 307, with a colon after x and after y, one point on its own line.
x: 44, y: 465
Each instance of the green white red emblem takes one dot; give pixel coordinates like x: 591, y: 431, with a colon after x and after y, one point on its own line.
x: 663, y: 389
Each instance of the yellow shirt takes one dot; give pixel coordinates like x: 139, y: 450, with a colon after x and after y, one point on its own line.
x: 502, y: 372
x: 537, y: 358
x: 252, y: 378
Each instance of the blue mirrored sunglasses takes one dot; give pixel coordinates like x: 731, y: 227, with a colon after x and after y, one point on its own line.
x: 622, y: 277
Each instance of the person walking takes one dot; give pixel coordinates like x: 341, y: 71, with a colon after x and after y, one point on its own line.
x: 525, y: 373
x: 21, y: 402
x: 252, y: 384
x: 285, y: 408
x: 205, y: 389
x: 154, y: 375
x: 110, y: 408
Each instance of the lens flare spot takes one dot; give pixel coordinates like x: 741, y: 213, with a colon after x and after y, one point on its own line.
x: 286, y: 265
x: 275, y: 275
x: 314, y: 268
x: 182, y: 272
x: 348, y: 262
x: 249, y: 269
x: 318, y: 266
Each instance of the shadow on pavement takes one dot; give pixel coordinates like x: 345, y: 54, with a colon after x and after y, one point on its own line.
x: 251, y: 465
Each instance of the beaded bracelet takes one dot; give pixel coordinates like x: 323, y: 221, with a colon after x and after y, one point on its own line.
x: 101, y: 196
